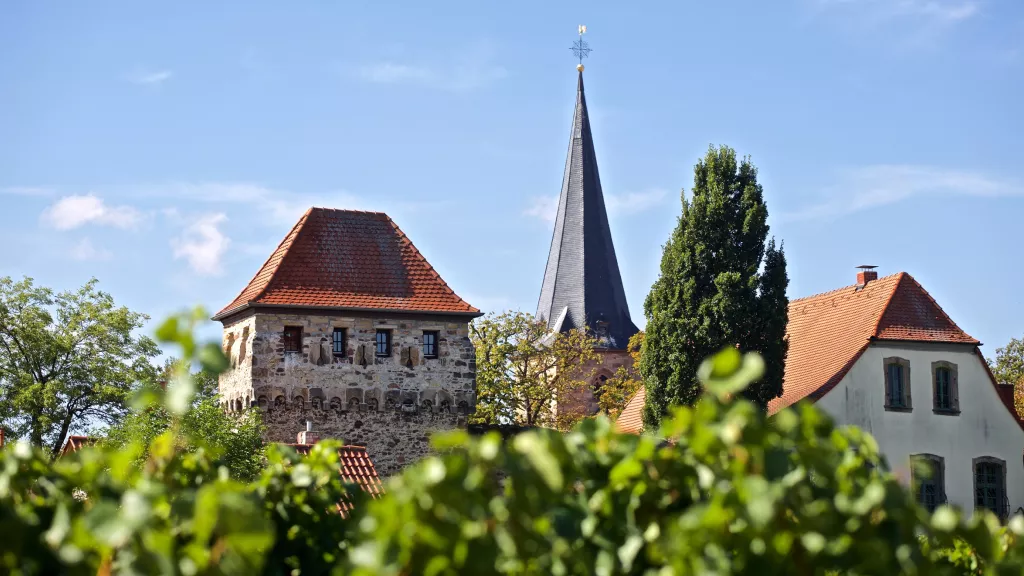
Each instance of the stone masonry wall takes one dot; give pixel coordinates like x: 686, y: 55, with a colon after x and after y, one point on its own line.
x: 236, y: 383
x: 606, y: 364
x: 393, y: 439
x: 314, y: 375
x: 389, y: 404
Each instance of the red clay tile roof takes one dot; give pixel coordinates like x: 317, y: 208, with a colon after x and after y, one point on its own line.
x: 631, y: 419
x: 828, y: 332
x: 76, y: 443
x: 349, y: 259
x: 356, y: 468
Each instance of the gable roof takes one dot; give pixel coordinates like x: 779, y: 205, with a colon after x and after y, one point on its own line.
x: 348, y: 259
x: 356, y: 468
x: 828, y: 332
x: 582, y: 286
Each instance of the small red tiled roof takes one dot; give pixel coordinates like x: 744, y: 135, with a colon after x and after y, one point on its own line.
x: 356, y: 468
x: 828, y: 332
x: 631, y: 419
x: 349, y: 259
x: 76, y: 443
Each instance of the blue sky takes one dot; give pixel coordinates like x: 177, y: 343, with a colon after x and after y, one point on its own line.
x: 166, y: 150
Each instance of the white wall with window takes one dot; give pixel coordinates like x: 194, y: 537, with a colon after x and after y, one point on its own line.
x: 935, y: 405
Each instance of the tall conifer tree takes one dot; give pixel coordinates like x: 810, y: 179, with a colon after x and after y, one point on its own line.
x: 713, y: 291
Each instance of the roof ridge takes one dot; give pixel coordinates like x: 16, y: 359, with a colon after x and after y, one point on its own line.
x: 430, y: 267
x: 923, y: 290
x: 349, y: 210
x: 840, y: 289
x: 259, y: 271
x: 348, y: 259
x: 888, y: 302
x: 298, y: 229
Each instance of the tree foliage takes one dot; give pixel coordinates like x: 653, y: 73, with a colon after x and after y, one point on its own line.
x: 721, y: 489
x: 1008, y: 369
x: 235, y: 440
x: 523, y: 371
x: 67, y: 360
x: 720, y: 285
x: 97, y: 512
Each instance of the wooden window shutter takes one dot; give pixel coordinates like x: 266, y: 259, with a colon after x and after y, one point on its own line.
x: 888, y: 385
x: 906, y: 385
x: 954, y: 390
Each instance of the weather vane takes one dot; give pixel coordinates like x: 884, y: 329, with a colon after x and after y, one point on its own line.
x: 580, y: 48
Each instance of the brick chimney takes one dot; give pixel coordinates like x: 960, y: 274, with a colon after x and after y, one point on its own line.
x: 867, y: 274
x: 307, y: 436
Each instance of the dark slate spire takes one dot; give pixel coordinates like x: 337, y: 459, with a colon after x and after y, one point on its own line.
x: 582, y: 285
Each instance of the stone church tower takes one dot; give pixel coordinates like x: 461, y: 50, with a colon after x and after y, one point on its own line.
x: 582, y: 286
x: 347, y: 326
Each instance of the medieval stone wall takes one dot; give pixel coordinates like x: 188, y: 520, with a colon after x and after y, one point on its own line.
x: 393, y: 439
x: 236, y: 383
x: 389, y: 404
x: 604, y: 366
x: 405, y: 379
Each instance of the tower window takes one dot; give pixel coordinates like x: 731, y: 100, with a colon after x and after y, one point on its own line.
x: 430, y: 344
x: 338, y: 341
x: 292, y: 338
x: 383, y: 343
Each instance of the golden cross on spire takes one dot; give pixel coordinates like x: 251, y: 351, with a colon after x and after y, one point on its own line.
x: 580, y: 48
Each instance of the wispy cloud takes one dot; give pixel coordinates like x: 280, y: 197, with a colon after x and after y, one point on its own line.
x: 84, y: 250
x: 275, y: 205
x: 392, y: 72
x: 458, y: 79
x: 546, y: 207
x: 73, y: 211
x: 151, y: 78
x: 635, y: 202
x: 880, y: 185
x: 937, y: 10
x: 472, y: 70
x: 543, y: 207
x: 203, y: 244
x: 914, y: 24
x: 36, y: 191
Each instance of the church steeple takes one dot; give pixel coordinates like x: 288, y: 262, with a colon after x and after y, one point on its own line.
x: 582, y: 285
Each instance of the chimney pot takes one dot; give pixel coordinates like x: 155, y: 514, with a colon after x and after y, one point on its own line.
x: 866, y: 274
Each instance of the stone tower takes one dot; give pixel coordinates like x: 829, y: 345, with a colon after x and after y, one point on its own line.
x: 349, y: 327
x: 582, y: 286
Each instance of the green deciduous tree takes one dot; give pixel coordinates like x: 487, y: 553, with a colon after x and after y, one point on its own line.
x: 234, y: 440
x: 522, y: 371
x: 720, y: 489
x: 1008, y: 369
x: 721, y: 284
x: 67, y: 360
